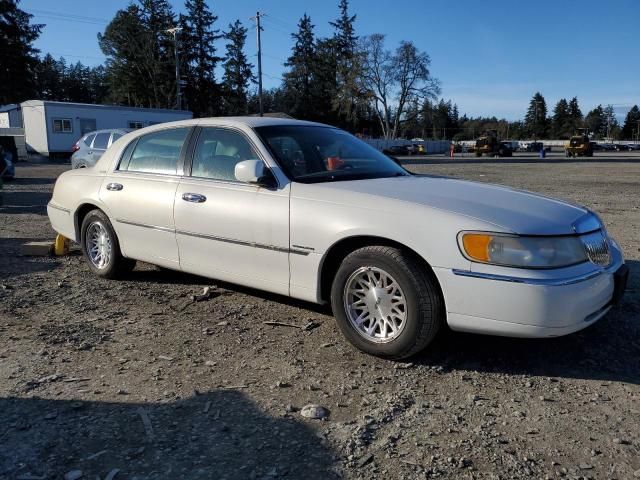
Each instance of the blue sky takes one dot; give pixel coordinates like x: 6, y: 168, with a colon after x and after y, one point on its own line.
x: 490, y: 56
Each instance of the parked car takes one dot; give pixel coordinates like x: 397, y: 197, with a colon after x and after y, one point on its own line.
x: 309, y: 211
x: 621, y: 147
x: 534, y: 146
x: 505, y: 149
x: 634, y: 146
x: 90, y: 147
x: 398, y: 150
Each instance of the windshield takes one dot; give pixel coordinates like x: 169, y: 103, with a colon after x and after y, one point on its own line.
x: 310, y: 154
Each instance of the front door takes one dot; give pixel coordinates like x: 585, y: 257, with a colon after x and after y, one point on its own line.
x: 230, y: 230
x: 140, y: 194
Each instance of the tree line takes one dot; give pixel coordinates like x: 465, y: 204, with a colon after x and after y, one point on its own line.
x: 354, y: 82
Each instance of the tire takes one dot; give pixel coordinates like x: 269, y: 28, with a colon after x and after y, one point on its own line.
x: 96, y: 225
x: 416, y: 323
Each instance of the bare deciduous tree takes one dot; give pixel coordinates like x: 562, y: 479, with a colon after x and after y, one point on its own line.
x: 394, y: 81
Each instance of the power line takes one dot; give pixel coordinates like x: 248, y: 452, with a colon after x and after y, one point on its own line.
x: 284, y: 60
x: 75, y: 56
x: 283, y: 23
x: 276, y: 28
x: 273, y: 77
x: 65, y: 17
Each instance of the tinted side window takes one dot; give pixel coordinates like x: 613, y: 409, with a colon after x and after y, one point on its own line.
x: 218, y: 151
x: 89, y: 138
x: 157, y: 152
x: 101, y: 141
x: 115, y: 136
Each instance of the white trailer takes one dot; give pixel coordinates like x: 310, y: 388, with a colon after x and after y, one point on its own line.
x: 53, y: 127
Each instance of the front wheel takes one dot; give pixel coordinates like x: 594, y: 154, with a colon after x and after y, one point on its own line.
x: 101, y: 248
x: 386, y: 303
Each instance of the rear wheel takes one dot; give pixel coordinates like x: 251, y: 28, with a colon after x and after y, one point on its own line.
x: 386, y: 303
x: 101, y: 248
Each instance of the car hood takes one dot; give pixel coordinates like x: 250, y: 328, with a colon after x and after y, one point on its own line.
x: 509, y: 209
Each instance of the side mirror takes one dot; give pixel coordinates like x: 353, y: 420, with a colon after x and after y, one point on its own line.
x: 249, y: 171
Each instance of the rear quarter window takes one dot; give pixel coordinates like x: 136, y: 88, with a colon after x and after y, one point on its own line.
x: 88, y: 139
x: 102, y: 141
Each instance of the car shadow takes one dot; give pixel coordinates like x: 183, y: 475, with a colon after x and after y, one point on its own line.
x: 220, y: 434
x: 25, y: 202
x: 12, y: 263
x: 609, y: 350
x: 32, y: 181
x: 149, y: 273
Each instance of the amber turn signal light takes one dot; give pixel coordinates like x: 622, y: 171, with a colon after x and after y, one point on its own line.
x: 476, y: 246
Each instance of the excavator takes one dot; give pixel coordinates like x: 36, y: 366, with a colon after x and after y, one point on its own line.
x: 579, y: 145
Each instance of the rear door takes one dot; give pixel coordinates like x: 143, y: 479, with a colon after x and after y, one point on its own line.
x: 140, y: 194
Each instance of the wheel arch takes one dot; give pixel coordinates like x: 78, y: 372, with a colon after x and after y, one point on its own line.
x: 339, y: 250
x: 81, y: 212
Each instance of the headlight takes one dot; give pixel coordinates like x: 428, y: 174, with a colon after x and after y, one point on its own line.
x: 523, y: 252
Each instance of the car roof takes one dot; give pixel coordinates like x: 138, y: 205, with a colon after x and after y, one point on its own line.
x: 109, y: 130
x: 248, y: 121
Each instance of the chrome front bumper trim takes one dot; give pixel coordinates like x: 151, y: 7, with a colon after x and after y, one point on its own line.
x: 545, y: 282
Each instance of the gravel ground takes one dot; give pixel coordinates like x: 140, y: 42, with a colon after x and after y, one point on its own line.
x: 134, y: 375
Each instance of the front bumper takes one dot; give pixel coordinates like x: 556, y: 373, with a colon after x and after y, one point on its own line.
x: 550, y: 304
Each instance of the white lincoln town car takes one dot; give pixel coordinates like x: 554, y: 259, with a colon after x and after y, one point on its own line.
x: 309, y: 211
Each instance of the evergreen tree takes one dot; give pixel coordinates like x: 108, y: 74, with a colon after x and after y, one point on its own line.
x: 596, y: 122
x: 575, y: 115
x: 198, y: 56
x: 18, y: 57
x: 49, y: 78
x: 561, y: 125
x: 55, y: 80
x: 140, y: 55
x: 536, y: 118
x: 302, y: 63
x: 612, y: 127
x: 630, y: 129
x: 237, y: 71
x: 347, y: 67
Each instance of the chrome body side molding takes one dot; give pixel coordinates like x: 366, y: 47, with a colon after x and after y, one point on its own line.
x: 296, y: 251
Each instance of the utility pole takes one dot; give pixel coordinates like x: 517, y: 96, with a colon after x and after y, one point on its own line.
x: 175, y: 31
x: 258, y: 29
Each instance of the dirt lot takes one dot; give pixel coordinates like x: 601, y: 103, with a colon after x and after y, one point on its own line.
x: 133, y: 375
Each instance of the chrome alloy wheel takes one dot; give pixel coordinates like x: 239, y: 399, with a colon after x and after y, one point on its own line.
x: 375, y: 304
x: 99, y: 247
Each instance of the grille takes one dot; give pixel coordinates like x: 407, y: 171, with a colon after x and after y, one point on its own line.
x: 597, y: 248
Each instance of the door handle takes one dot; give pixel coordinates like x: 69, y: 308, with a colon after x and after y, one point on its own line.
x: 194, y: 197
x: 114, y: 186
